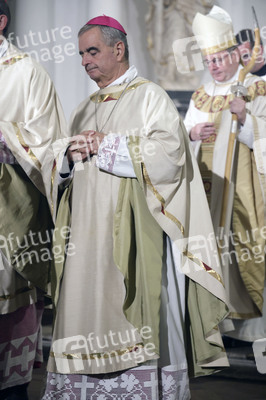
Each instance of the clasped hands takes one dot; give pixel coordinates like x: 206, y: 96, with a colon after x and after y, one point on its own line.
x: 84, y: 145
x: 204, y: 130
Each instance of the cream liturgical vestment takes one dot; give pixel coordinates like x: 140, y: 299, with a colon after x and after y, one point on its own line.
x: 242, y: 247
x: 138, y: 255
x: 31, y: 118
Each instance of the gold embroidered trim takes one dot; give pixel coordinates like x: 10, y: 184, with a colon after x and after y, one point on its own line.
x: 213, y: 104
x: 14, y: 59
x: 203, y: 266
x: 219, y: 47
x: 180, y: 226
x: 52, y: 186
x: 27, y: 148
x: 256, y: 89
x: 19, y: 291
x: 115, y: 96
x: 94, y: 356
x: 161, y: 200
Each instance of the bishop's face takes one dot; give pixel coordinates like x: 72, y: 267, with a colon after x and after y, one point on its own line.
x: 101, y: 62
x: 222, y: 65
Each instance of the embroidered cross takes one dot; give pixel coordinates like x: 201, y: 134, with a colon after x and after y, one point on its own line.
x: 83, y: 385
x: 153, y: 384
x: 21, y: 361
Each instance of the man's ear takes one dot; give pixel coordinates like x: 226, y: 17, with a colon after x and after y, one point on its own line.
x: 3, y: 22
x: 119, y: 50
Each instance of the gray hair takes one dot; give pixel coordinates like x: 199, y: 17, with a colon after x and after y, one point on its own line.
x: 111, y: 36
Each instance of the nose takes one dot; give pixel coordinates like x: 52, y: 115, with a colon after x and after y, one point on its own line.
x: 85, y: 59
x: 213, y: 66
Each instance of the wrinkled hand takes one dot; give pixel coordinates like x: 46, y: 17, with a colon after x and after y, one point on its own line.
x: 202, y: 131
x: 238, y: 107
x: 84, y: 145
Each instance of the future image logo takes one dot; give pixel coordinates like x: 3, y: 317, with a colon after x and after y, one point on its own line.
x: 188, y: 55
x: 73, y: 349
x: 78, y: 353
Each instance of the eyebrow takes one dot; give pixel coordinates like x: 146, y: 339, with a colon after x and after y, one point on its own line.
x: 89, y: 49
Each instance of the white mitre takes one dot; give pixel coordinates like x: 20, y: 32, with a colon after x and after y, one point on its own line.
x: 214, y: 31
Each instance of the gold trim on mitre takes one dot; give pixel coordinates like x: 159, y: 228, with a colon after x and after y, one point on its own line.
x: 220, y: 47
x: 214, y: 32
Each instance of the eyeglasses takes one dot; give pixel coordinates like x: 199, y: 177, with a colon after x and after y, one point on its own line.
x: 216, y: 60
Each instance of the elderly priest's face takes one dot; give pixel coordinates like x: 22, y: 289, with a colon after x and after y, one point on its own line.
x: 222, y: 65
x: 102, y: 63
